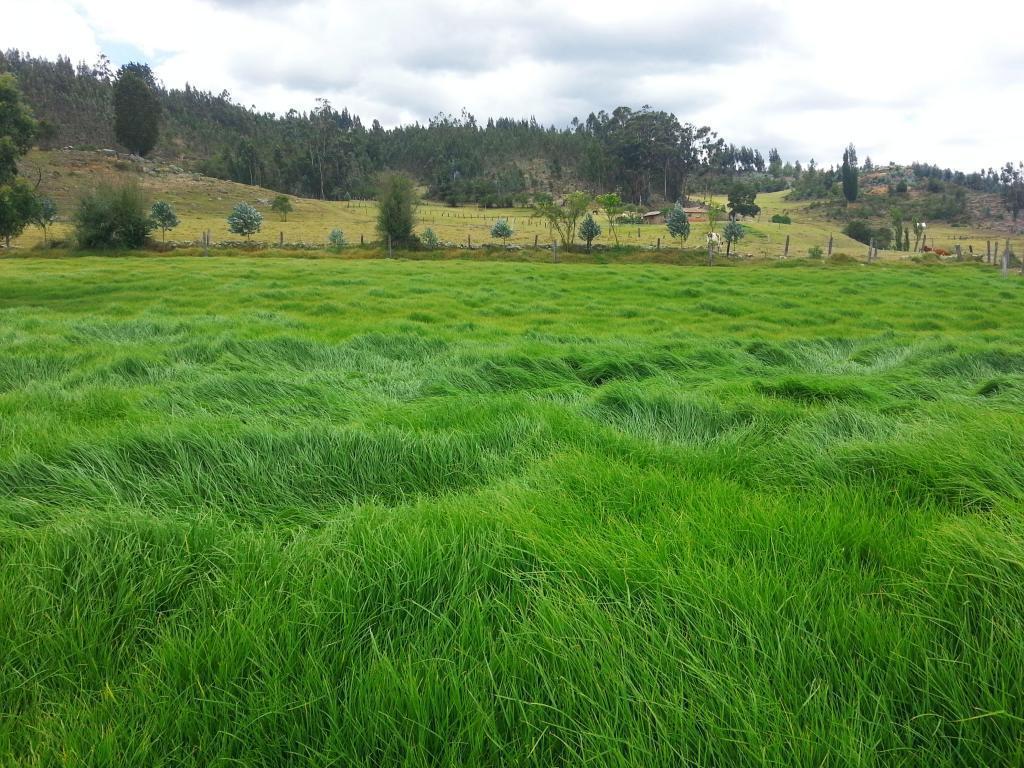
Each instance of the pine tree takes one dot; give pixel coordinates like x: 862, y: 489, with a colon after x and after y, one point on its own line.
x: 678, y: 224
x: 137, y: 110
x: 589, y: 229
x: 850, y: 174
x: 502, y: 230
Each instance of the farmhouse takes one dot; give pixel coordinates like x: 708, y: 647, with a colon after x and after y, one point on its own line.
x: 654, y: 217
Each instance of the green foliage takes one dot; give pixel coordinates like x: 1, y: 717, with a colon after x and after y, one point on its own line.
x: 282, y: 205
x: 164, y: 217
x: 815, y: 252
x: 564, y: 218
x: 589, y: 229
x: 850, y: 175
x: 245, y: 220
x: 611, y: 206
x: 859, y: 230
x: 113, y: 217
x: 781, y: 218
x: 501, y: 230
x: 678, y: 223
x: 336, y: 240
x: 733, y: 232
x: 715, y: 214
x: 396, y: 212
x: 18, y: 208
x: 741, y: 201
x: 430, y: 240
x: 1012, y: 180
x: 137, y: 109
x: 45, y: 214
x: 17, y: 127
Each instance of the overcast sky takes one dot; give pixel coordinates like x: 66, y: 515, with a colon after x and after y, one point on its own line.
x: 941, y: 82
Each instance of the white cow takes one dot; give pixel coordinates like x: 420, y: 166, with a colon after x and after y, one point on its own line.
x: 714, y: 239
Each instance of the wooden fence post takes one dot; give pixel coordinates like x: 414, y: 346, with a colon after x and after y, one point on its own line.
x: 361, y: 240
x: 785, y: 253
x: 1006, y: 259
x: 280, y: 240
x: 535, y: 237
x: 390, y: 252
x: 830, y: 245
x: 659, y: 244
x: 959, y: 253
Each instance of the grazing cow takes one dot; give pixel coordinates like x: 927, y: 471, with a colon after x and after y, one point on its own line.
x: 714, y: 239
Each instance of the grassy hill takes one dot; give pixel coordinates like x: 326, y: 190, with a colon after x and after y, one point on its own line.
x: 203, y: 204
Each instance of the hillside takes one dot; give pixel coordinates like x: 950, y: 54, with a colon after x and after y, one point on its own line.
x: 203, y: 203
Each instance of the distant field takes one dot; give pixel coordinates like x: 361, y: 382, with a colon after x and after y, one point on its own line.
x: 203, y: 205
x: 272, y: 512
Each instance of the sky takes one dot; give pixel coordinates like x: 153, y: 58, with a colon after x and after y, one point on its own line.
x: 904, y: 81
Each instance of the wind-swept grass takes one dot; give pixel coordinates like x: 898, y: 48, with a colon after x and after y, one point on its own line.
x: 290, y: 512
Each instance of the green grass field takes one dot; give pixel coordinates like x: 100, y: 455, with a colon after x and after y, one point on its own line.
x: 278, y: 511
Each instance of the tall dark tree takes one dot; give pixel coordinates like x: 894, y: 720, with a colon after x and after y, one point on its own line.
x: 137, y: 110
x: 396, y: 208
x: 18, y: 204
x: 17, y: 127
x: 741, y: 201
x: 850, y: 174
x: 1012, y: 180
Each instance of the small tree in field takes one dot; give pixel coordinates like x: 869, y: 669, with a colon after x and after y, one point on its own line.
x: 396, y: 208
x: 282, y: 205
x: 678, y: 224
x: 611, y: 204
x: 715, y: 215
x: 164, y: 217
x: 245, y: 220
x: 45, y: 215
x: 336, y: 240
x: 733, y: 232
x: 501, y: 231
x: 589, y: 229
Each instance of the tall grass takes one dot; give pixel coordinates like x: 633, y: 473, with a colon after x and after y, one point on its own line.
x: 284, y: 512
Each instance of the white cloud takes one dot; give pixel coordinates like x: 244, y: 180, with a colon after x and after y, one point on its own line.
x: 903, y: 84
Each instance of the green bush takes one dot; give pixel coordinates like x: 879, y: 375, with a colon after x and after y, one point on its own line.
x: 815, y: 252
x: 336, y: 240
x: 113, y: 217
x: 429, y: 239
x: 781, y: 218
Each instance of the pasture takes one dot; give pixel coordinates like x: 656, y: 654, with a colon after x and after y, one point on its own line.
x: 279, y: 511
x: 203, y: 204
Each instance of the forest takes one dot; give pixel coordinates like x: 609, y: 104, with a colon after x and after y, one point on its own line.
x: 331, y: 154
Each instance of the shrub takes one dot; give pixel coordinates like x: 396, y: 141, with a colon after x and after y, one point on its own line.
x: 429, y: 239
x: 113, y: 217
x: 245, y: 220
x: 781, y: 218
x: 815, y: 252
x: 336, y: 240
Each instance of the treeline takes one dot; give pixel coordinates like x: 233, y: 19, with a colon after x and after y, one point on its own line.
x: 645, y: 155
